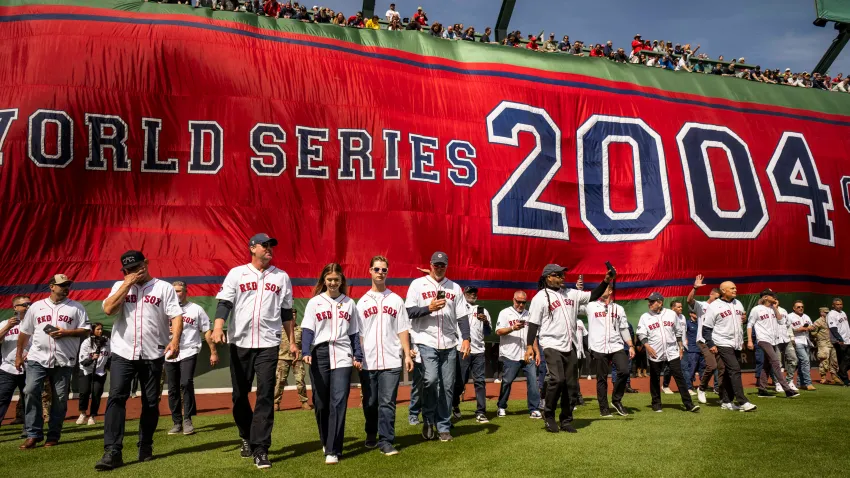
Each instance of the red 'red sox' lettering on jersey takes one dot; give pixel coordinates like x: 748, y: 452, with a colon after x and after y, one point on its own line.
x: 373, y: 310
x: 432, y: 294
x: 43, y: 319
x: 153, y: 300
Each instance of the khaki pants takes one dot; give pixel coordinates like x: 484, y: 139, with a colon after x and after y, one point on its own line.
x: 283, y: 367
x: 828, y: 360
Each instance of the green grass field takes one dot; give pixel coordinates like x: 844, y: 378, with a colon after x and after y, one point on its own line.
x: 782, y: 438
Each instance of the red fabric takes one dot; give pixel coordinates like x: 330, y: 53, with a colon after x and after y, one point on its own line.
x: 417, y: 17
x: 596, y: 52
x: 196, y: 226
x: 532, y: 45
x: 637, y: 45
x: 271, y: 8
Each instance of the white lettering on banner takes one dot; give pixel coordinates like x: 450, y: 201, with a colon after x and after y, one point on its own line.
x: 516, y: 209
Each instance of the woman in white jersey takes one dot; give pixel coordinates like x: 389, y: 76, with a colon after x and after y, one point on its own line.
x: 94, y: 355
x: 331, y: 346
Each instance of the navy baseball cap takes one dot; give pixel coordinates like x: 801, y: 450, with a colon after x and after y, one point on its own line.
x: 439, y: 258
x: 768, y: 292
x: 131, y: 259
x: 655, y: 296
x: 262, y: 238
x: 553, y: 269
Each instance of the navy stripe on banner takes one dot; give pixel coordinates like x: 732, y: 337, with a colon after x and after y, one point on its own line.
x: 406, y: 61
x: 481, y: 284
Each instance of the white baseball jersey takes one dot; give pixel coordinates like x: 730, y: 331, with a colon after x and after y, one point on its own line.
x: 581, y: 333
x: 98, y: 366
x: 196, y: 323
x: 700, y: 308
x: 605, y: 324
x: 381, y: 317
x: 724, y: 318
x: 476, y: 327
x: 332, y: 321
x: 512, y: 346
x: 9, y: 349
x: 141, y: 329
x: 47, y: 351
x: 763, y: 321
x: 796, y: 321
x: 662, y: 332
x: 683, y: 326
x: 783, y: 329
x: 437, y: 330
x: 257, y: 298
x: 555, y: 313
x: 839, y: 320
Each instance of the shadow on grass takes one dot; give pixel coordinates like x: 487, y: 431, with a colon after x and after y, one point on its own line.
x: 303, y: 448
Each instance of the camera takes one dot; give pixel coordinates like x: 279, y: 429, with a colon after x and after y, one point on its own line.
x: 441, y: 295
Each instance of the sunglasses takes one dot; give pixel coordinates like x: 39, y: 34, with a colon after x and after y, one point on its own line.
x: 439, y: 265
x: 557, y: 274
x: 380, y: 270
x: 520, y: 302
x: 25, y: 304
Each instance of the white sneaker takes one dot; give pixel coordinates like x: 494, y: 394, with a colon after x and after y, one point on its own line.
x: 667, y: 390
x: 331, y: 460
x: 692, y: 393
x: 589, y: 377
x: 792, y: 386
x: 779, y: 388
x: 497, y: 380
x: 82, y: 419
x: 536, y: 415
x: 91, y: 421
x: 501, y: 412
x: 700, y: 395
x: 747, y: 407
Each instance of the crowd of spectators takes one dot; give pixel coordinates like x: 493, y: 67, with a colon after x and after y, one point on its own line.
x: 655, y: 54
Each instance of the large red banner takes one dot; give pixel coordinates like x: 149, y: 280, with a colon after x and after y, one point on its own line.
x: 183, y: 137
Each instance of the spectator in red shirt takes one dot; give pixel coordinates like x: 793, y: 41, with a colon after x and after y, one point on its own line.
x: 597, y: 50
x: 421, y: 17
x: 637, y: 44
x: 838, y: 78
x: 532, y: 43
x: 356, y: 20
x: 272, y: 8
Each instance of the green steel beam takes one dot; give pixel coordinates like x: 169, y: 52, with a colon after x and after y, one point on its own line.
x: 505, y: 12
x: 368, y: 8
x: 834, y: 48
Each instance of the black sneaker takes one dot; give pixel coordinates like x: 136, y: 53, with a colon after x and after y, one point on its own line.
x: 765, y: 394
x: 388, y: 449
x: 605, y: 413
x: 261, y: 460
x: 580, y: 400
x: 145, y: 453
x: 792, y: 394
x: 551, y: 425
x: 456, y: 413
x: 109, y: 461
x: 371, y: 442
x: 246, y: 451
x: 693, y: 408
x: 631, y: 390
x: 621, y: 410
x: 427, y: 431
x: 481, y: 418
x: 567, y: 427
x: 657, y: 408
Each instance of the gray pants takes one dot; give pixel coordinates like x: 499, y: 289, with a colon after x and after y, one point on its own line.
x: 771, y: 362
x: 789, y: 352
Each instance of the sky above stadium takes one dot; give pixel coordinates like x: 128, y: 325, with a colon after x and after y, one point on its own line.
x: 773, y: 34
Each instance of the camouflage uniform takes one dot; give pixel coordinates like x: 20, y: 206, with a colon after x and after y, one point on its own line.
x: 46, y: 398
x: 826, y: 352
x: 284, y: 363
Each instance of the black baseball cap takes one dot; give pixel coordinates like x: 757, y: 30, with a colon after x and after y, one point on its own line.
x: 553, y: 269
x: 439, y: 257
x: 470, y: 288
x: 767, y: 292
x: 131, y: 259
x: 655, y: 296
x: 261, y: 238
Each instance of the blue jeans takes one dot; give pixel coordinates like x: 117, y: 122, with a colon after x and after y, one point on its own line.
x: 60, y: 381
x: 439, y: 381
x: 804, y: 375
x: 510, y: 371
x: 416, y: 390
x: 380, y: 388
x: 695, y: 363
x: 8, y: 383
x: 473, y: 365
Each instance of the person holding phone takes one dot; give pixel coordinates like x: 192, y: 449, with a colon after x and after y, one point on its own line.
x: 553, y: 313
x: 330, y: 343
x: 10, y: 377
x: 260, y: 297
x: 609, y: 339
x: 474, y: 363
x: 55, y: 324
x: 145, y: 312
x: 94, y: 359
x: 383, y: 326
x: 434, y: 305
x: 512, y: 329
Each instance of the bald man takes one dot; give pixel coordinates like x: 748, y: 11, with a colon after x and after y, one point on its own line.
x: 724, y: 336
x: 512, y: 330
